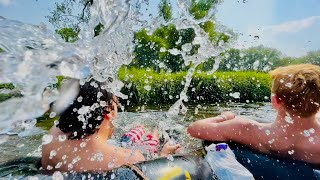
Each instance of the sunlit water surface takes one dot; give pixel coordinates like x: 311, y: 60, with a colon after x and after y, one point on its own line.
x: 27, y: 142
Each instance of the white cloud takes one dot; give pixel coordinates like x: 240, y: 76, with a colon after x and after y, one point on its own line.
x: 293, y: 38
x: 5, y: 2
x: 293, y: 26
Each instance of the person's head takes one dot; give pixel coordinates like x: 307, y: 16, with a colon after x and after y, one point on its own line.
x: 84, y: 116
x: 297, y: 89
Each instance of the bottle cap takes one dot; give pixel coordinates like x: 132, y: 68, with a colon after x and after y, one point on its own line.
x: 221, y: 146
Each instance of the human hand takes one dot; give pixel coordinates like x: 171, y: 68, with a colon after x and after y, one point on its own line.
x: 228, y: 115
x: 170, y: 148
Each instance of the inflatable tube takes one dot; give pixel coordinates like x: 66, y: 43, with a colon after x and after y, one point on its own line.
x: 264, y: 166
x: 181, y: 167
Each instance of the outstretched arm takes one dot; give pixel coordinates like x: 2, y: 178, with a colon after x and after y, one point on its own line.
x: 238, y: 129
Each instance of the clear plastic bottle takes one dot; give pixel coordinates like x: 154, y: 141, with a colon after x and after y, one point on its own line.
x: 224, y: 164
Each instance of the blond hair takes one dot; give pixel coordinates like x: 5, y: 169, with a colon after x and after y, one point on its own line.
x: 298, y: 87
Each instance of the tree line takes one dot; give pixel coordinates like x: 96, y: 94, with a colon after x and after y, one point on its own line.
x: 151, y: 48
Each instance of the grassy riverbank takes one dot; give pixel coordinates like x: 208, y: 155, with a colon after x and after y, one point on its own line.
x: 148, y: 87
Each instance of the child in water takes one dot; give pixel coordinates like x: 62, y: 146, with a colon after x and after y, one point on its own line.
x: 78, y: 143
x: 295, y: 133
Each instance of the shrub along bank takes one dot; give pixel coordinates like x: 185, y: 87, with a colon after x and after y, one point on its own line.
x: 146, y: 86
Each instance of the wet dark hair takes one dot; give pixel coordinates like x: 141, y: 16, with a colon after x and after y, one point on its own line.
x: 84, y: 116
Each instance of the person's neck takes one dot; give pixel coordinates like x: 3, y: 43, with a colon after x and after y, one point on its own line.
x: 295, y: 122
x: 106, y: 130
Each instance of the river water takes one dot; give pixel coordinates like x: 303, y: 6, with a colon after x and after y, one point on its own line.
x: 27, y: 141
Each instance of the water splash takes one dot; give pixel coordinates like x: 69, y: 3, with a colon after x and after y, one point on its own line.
x: 34, y: 55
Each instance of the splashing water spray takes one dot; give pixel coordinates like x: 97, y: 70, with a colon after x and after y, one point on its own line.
x: 33, y: 55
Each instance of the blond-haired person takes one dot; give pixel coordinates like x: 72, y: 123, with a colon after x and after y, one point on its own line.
x: 295, y: 133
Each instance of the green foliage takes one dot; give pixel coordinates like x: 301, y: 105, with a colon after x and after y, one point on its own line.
x: 151, y: 49
x: 8, y: 86
x: 200, y: 8
x: 98, y: 29
x: 45, y: 122
x: 70, y: 13
x: 258, y: 58
x: 165, y: 87
x: 214, y: 35
x: 1, y: 50
x: 68, y: 34
x: 165, y: 10
x: 312, y: 57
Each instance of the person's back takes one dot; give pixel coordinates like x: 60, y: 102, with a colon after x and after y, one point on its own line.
x: 295, y: 132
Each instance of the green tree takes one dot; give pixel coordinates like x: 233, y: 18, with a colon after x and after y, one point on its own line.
x: 260, y: 58
x: 165, y: 10
x: 312, y: 57
x: 68, y: 34
x: 151, y: 50
x: 200, y: 8
x: 70, y: 14
x: 231, y: 60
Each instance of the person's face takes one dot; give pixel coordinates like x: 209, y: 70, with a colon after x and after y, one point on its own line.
x: 112, y: 108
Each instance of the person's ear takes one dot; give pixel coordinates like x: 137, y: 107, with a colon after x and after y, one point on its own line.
x: 276, y: 101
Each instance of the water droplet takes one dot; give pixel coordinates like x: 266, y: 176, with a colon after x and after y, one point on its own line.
x: 289, y: 85
x: 267, y: 132
x: 291, y: 152
x: 76, y: 159
x: 80, y: 98
x: 49, y: 167
x: 174, y: 51
x: 83, y: 144
x: 148, y: 88
x: 46, y: 139
x: 103, y: 103
x: 20, y: 145
x: 255, y: 37
x: 271, y: 141
x: 162, y: 49
x: 52, y: 114
x: 170, y: 157
x: 186, y: 47
x: 311, y: 130
x: 170, y: 97
x: 53, y: 153
x: 235, y: 95
x: 196, y: 110
x: 311, y: 139
x: 58, y: 165
x: 62, y: 138
x: 112, y: 176
x: 111, y: 164
x: 288, y: 119
x: 306, y: 133
x: 57, y: 176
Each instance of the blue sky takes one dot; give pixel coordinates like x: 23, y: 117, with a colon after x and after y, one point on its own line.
x: 292, y: 26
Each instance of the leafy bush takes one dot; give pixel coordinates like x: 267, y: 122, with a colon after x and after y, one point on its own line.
x: 148, y: 87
